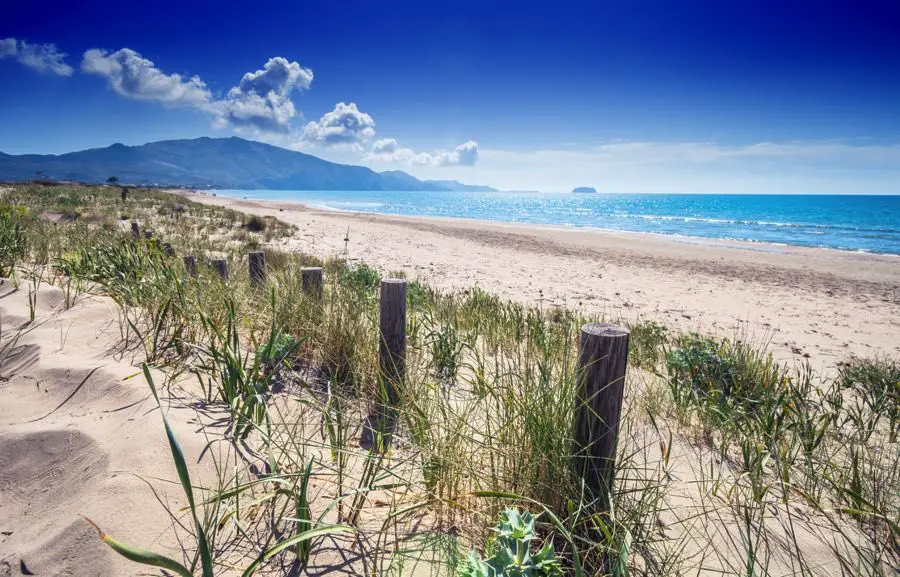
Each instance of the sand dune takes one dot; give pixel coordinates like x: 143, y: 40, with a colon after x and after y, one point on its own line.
x: 79, y: 434
x: 76, y: 432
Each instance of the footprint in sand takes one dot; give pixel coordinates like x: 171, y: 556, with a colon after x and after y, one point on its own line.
x: 44, y: 477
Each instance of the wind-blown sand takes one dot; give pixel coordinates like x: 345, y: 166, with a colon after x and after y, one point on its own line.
x: 823, y: 303
x: 77, y: 434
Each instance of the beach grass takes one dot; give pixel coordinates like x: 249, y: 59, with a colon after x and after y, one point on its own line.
x: 728, y: 461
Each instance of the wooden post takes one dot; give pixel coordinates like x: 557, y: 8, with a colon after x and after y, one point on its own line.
x: 392, y: 364
x: 135, y: 230
x: 392, y: 324
x: 190, y: 263
x: 312, y: 282
x: 158, y: 243
x: 602, y: 360
x: 148, y: 234
x: 221, y: 266
x: 257, y: 267
x: 167, y: 246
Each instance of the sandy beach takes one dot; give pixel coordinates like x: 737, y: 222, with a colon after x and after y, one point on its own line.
x: 820, y: 304
x: 80, y: 433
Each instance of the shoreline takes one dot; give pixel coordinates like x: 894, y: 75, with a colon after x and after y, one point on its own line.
x: 747, y: 244
x: 819, y: 304
x: 760, y: 246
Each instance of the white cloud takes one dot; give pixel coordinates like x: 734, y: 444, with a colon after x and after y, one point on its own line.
x: 389, y: 150
x: 40, y: 57
x: 465, y: 154
x: 133, y: 76
x: 262, y: 100
x: 260, y: 103
x: 385, y: 146
x: 423, y: 159
x: 697, y: 167
x: 8, y: 47
x: 279, y: 75
x: 345, y: 125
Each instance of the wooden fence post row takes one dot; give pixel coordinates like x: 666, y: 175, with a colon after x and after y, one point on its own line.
x: 256, y: 262
x: 602, y: 360
x: 311, y: 278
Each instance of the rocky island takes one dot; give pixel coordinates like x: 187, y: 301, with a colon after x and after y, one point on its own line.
x: 584, y: 190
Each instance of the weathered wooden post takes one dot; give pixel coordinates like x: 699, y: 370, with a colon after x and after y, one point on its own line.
x: 190, y: 264
x: 157, y: 243
x: 135, y: 230
x: 312, y: 282
x: 391, y: 362
x: 148, y: 234
x: 602, y: 360
x: 221, y: 266
x: 167, y: 246
x: 256, y: 262
x: 392, y: 351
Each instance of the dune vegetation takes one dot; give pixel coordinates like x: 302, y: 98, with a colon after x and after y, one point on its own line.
x: 728, y: 462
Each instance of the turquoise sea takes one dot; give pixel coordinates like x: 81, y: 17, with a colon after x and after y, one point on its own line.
x: 856, y: 223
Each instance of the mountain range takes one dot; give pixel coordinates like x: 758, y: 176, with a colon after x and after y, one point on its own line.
x: 225, y: 163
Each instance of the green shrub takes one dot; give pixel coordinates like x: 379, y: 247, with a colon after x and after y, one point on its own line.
x: 874, y: 386
x: 255, y: 224
x: 647, y: 343
x: 418, y: 295
x: 361, y: 277
x: 446, y: 346
x: 724, y: 374
x: 13, y: 240
x: 278, y: 350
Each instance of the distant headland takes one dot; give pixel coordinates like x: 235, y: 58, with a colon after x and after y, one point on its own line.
x: 230, y: 163
x: 584, y: 190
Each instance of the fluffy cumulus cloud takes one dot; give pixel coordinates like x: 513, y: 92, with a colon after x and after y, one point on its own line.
x: 345, y: 125
x: 385, y: 146
x: 133, y: 76
x: 40, y: 57
x: 260, y: 104
x: 389, y: 150
x: 262, y: 101
x: 279, y: 75
x: 465, y: 154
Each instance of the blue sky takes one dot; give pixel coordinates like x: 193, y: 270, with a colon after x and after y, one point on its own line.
x: 640, y: 96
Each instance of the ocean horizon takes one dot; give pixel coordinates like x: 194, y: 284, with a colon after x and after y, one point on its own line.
x: 861, y: 223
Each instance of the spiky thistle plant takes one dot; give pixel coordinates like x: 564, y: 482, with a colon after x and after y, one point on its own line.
x: 511, y: 554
